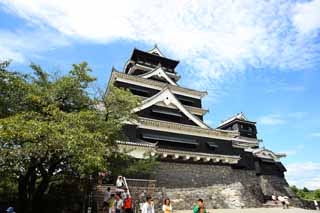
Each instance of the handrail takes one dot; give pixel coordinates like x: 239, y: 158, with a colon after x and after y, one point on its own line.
x: 142, y: 180
x: 126, y: 185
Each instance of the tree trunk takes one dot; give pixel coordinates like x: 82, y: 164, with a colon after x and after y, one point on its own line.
x: 23, y: 195
x: 38, y: 203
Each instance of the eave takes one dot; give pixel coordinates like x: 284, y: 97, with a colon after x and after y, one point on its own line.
x: 167, y: 97
x: 158, y: 72
x: 164, y: 61
x: 200, y: 157
x: 157, y: 85
x: 193, y: 110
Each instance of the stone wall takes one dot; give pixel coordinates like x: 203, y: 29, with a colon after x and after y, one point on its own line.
x: 216, y: 196
x: 221, y: 186
x: 181, y: 175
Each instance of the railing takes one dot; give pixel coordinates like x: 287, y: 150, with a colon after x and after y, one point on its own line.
x: 126, y: 185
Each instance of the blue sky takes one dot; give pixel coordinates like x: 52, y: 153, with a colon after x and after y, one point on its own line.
x: 257, y: 57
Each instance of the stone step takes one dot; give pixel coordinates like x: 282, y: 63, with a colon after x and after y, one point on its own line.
x: 272, y: 204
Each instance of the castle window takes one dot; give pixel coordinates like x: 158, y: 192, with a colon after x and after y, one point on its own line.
x: 167, y: 112
x: 140, y: 92
x: 212, y: 145
x: 170, y: 139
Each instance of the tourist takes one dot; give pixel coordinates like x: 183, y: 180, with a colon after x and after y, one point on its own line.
x: 148, y: 206
x: 107, y: 196
x: 199, y: 207
x: 120, y: 183
x: 274, y: 198
x: 124, y: 194
x: 111, y: 204
x: 167, y: 208
x: 283, y: 201
x: 142, y: 197
x: 118, y: 204
x: 286, y: 201
x: 128, y: 204
x: 316, y: 204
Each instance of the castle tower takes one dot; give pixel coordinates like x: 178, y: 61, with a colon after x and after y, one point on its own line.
x: 192, y: 154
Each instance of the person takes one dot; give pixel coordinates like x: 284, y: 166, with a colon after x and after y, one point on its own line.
x: 107, y: 196
x: 316, y: 204
x: 10, y: 210
x: 118, y: 204
x: 167, y: 208
x: 283, y: 202
x: 286, y: 202
x: 120, y: 182
x: 124, y: 194
x: 142, y: 198
x: 111, y: 204
x: 274, y: 198
x: 148, y: 206
x: 199, y: 207
x: 128, y: 204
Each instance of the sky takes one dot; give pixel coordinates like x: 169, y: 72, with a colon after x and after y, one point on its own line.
x: 259, y: 57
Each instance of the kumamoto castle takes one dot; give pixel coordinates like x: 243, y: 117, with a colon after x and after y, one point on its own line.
x: 224, y: 165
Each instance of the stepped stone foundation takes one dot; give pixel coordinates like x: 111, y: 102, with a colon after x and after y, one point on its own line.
x: 221, y: 186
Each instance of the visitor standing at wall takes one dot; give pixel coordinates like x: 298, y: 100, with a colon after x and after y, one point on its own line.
x: 124, y: 194
x: 148, y: 206
x: 167, y: 208
x: 284, y: 201
x: 107, y: 196
x: 199, y: 207
x: 112, y: 202
x: 120, y: 183
x: 128, y: 204
x: 316, y: 204
x: 119, y: 204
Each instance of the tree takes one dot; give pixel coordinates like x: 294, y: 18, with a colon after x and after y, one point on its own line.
x: 52, y: 127
x: 306, y: 194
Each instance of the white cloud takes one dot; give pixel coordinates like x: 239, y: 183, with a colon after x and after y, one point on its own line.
x: 217, y: 39
x: 272, y: 119
x: 307, y: 16
x: 21, y: 45
x: 305, y: 174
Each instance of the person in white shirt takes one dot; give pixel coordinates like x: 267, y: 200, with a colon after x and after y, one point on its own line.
x: 124, y: 194
x: 283, y: 201
x: 107, y: 196
x: 167, y: 208
x: 316, y: 204
x: 148, y: 206
x: 120, y: 182
x: 119, y: 204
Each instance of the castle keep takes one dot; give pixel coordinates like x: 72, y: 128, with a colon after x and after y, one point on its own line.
x: 217, y: 164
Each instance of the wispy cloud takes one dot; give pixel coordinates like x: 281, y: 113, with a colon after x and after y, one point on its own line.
x: 307, y: 16
x: 20, y: 46
x: 305, y: 174
x: 272, y: 119
x: 279, y: 119
x: 217, y: 39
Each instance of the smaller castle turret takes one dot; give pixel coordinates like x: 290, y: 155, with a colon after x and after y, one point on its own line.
x: 240, y: 124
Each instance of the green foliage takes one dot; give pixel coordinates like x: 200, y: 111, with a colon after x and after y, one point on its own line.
x: 306, y: 194
x: 125, y: 165
x: 13, y: 90
x: 52, y: 127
